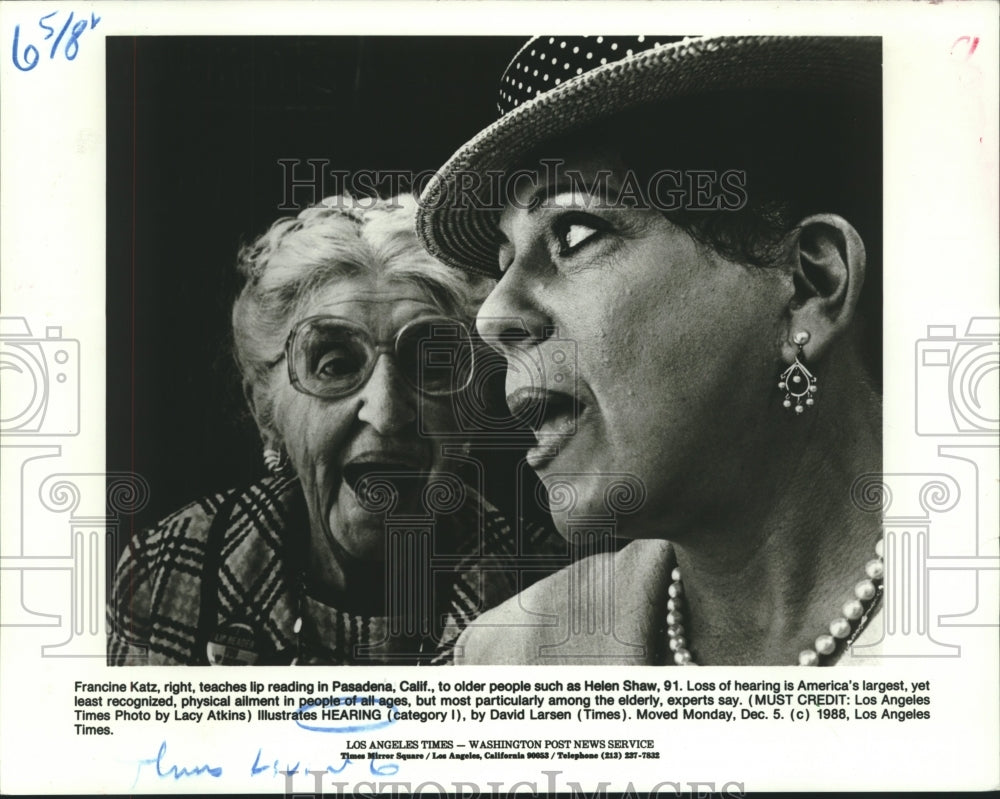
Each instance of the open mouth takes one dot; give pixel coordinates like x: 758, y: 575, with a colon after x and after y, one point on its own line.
x: 542, y: 410
x: 551, y: 415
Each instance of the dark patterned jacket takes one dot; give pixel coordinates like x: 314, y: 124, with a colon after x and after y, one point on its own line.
x: 219, y: 582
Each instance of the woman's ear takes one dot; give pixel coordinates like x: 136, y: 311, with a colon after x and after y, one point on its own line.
x: 828, y: 271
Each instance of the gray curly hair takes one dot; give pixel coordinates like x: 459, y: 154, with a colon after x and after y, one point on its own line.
x: 340, y: 237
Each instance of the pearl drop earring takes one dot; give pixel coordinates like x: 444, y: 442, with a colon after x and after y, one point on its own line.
x: 276, y: 461
x: 796, y: 381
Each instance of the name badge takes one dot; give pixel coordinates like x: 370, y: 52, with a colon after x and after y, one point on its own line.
x: 234, y: 645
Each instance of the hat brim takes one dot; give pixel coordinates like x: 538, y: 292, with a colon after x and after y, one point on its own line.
x: 462, y: 233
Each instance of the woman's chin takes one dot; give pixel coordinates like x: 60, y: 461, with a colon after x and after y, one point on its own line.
x: 357, y: 528
x: 619, y: 498
x: 359, y: 524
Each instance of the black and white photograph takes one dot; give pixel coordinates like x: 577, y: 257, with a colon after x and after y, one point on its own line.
x: 676, y: 295
x: 365, y: 529
x: 499, y: 342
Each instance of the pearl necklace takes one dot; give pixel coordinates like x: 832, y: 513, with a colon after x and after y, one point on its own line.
x: 846, y: 627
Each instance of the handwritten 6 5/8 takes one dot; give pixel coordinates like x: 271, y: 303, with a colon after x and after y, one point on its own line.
x: 68, y: 37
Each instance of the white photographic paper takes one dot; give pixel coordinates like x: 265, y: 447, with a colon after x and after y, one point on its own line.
x: 142, y: 144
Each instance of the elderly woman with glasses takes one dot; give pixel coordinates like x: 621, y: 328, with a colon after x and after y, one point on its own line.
x: 700, y: 219
x: 364, y: 545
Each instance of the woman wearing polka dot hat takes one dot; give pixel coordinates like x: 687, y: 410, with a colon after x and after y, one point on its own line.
x: 686, y: 237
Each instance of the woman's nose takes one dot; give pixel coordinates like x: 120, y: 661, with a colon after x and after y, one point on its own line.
x: 388, y: 403
x: 510, y: 317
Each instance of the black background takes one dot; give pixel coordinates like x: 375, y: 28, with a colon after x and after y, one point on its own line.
x: 196, y: 129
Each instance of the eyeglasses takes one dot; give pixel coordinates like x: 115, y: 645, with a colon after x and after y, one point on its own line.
x: 332, y: 357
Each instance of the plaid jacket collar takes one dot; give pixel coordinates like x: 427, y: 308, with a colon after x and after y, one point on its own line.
x: 219, y: 581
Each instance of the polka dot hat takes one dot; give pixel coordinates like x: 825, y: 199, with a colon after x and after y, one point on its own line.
x: 556, y: 84
x: 549, y: 61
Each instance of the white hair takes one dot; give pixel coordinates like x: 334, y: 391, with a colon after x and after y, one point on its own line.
x: 341, y: 237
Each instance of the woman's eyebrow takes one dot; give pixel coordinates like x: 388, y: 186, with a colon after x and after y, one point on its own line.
x: 570, y: 195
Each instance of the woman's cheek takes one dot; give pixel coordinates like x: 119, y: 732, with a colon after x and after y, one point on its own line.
x: 305, y: 429
x: 436, y: 417
x: 292, y: 419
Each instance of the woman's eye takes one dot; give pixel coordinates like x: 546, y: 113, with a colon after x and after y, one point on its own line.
x: 571, y: 235
x: 336, y: 364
